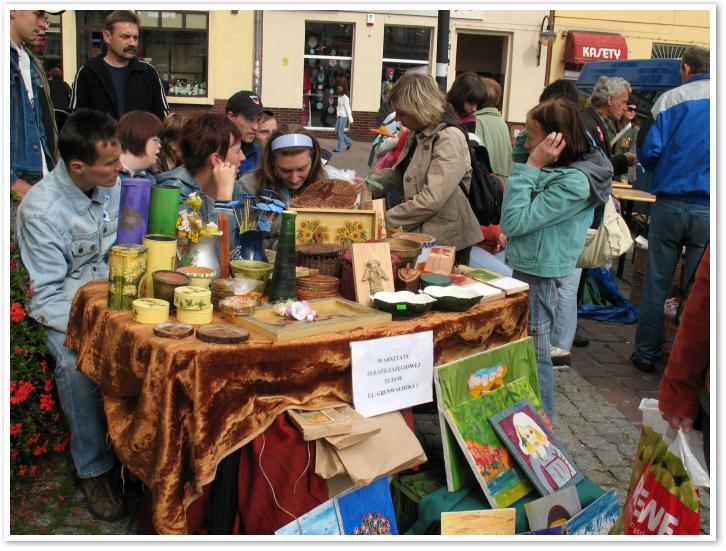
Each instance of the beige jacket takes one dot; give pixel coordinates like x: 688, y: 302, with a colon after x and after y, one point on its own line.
x: 433, y: 203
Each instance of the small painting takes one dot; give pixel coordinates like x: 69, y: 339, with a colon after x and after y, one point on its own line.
x: 596, y: 519
x: 553, y: 510
x: 321, y: 521
x: 341, y: 226
x: 315, y: 416
x: 372, y: 270
x: 486, y: 379
x: 535, y: 447
x: 368, y: 510
x: 486, y: 522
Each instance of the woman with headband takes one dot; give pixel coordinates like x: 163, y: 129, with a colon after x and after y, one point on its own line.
x: 291, y: 161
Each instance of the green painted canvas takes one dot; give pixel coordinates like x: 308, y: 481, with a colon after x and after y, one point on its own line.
x: 493, y: 466
x: 467, y: 378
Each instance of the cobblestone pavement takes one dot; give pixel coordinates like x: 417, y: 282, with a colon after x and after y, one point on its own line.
x: 597, y: 420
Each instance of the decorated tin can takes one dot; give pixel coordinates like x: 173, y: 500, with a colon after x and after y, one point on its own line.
x: 126, y: 272
x: 162, y: 256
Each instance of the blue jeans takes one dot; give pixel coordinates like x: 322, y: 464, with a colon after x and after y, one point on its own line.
x: 481, y: 258
x: 542, y: 306
x: 82, y: 405
x: 343, y: 140
x: 673, y: 224
x: 563, y: 331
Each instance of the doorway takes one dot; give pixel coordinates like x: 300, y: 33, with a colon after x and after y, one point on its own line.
x: 486, y: 55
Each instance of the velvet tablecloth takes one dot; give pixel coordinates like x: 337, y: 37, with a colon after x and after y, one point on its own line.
x: 175, y: 408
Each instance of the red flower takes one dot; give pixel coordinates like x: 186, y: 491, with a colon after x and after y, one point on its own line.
x: 62, y: 443
x: 32, y: 439
x: 13, y: 265
x: 48, y: 385
x: 17, y: 313
x: 41, y: 449
x: 43, y: 366
x: 23, y: 391
x: 29, y: 292
x: 16, y: 429
x: 20, y: 350
x: 21, y: 471
x: 46, y: 402
x: 33, y: 470
x: 13, y: 386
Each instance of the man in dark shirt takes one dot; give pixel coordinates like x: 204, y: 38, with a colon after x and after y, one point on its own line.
x: 117, y: 82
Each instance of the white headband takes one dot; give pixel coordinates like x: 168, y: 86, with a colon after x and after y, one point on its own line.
x: 291, y: 140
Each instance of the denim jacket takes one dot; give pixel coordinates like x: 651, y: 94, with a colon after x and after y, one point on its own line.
x: 27, y: 130
x: 64, y: 239
x: 187, y: 183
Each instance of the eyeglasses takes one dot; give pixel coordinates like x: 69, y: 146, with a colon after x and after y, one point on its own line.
x: 632, y: 109
x: 156, y: 140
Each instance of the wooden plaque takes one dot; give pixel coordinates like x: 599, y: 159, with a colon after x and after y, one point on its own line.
x: 173, y: 330
x: 341, y: 226
x: 222, y: 333
x: 378, y: 205
x: 372, y: 270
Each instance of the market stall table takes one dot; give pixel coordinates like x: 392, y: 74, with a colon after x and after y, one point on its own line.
x: 629, y: 196
x: 176, y: 408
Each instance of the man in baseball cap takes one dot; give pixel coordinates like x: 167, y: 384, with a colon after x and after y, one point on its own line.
x: 244, y: 109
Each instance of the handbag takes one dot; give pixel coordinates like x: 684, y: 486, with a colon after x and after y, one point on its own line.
x: 608, y: 241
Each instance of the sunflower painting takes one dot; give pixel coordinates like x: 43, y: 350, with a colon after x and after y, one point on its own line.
x: 351, y: 232
x: 311, y: 231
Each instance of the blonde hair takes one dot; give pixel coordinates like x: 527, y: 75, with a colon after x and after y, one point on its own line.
x: 521, y: 422
x: 418, y: 96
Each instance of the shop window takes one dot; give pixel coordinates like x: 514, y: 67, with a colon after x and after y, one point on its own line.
x: 48, y: 48
x: 404, y: 49
x: 328, y: 62
x: 175, y: 42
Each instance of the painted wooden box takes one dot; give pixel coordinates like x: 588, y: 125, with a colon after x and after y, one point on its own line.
x: 342, y: 226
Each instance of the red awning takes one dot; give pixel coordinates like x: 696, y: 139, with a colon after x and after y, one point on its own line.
x: 582, y: 47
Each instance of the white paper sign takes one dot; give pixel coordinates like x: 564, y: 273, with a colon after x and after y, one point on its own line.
x: 392, y: 373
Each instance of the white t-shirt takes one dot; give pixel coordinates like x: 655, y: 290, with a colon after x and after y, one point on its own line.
x: 344, y: 108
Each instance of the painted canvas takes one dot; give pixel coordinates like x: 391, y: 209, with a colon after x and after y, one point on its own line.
x: 343, y: 226
x: 535, y: 447
x: 597, y: 518
x: 368, y: 510
x: 487, y: 522
x: 321, y: 521
x: 455, y: 383
x: 501, y: 480
x: 553, y: 510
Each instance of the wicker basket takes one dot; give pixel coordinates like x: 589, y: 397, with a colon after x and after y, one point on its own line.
x: 326, y: 258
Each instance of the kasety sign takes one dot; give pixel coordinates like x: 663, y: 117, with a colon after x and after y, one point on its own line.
x: 592, y: 52
x: 392, y: 373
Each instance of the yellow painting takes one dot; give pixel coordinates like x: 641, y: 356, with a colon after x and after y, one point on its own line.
x: 488, y: 522
x: 338, y: 226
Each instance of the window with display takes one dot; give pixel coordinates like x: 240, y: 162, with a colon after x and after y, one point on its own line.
x: 175, y: 42
x: 404, y: 49
x: 328, y: 62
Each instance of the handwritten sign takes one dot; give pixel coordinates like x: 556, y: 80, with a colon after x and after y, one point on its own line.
x: 392, y: 373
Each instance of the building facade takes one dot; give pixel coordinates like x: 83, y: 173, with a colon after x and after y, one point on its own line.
x: 295, y: 59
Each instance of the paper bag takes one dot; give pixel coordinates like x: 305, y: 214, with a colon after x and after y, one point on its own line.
x: 393, y: 449
x: 327, y: 462
x: 318, y: 423
x: 361, y: 428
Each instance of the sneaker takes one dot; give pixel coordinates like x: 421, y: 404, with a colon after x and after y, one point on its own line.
x: 560, y: 357
x: 580, y: 341
x: 642, y: 365
x: 348, y: 148
x: 103, y: 497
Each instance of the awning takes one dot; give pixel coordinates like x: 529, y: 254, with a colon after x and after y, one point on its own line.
x: 583, y: 47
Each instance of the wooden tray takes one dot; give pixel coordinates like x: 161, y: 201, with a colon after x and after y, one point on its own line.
x: 335, y: 314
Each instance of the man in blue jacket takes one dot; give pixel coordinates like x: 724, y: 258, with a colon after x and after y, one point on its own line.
x: 31, y: 156
x: 674, y: 146
x: 66, y: 226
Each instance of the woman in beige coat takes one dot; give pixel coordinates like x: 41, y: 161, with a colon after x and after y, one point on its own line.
x: 434, y: 160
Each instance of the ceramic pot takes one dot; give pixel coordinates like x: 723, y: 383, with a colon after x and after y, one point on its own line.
x: 282, y: 286
x: 199, y: 276
x: 204, y: 252
x: 252, y: 245
x: 252, y: 269
x: 165, y: 281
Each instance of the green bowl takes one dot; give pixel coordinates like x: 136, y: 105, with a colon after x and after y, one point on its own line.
x: 251, y: 269
x: 453, y: 298
x: 403, y: 304
x: 439, y: 280
x: 406, y: 250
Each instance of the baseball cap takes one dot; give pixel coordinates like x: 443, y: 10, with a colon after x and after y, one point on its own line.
x: 246, y: 102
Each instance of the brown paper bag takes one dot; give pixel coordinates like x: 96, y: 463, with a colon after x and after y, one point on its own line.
x: 327, y: 462
x: 393, y: 449
x: 318, y: 423
x: 362, y: 428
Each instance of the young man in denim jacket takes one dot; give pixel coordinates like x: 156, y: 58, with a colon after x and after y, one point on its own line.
x: 66, y: 227
x: 30, y: 154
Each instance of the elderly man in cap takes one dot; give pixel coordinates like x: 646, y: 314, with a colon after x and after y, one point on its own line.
x: 244, y: 109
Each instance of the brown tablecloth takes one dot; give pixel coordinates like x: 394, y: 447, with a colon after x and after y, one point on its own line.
x: 176, y: 408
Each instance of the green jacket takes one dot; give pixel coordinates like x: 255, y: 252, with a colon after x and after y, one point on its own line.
x: 545, y: 215
x: 494, y: 135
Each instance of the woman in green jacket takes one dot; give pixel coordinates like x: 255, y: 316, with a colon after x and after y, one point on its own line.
x: 546, y: 211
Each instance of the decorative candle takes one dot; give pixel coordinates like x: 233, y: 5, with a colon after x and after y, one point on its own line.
x: 133, y: 210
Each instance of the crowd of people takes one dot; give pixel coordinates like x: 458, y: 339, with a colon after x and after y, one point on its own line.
x: 557, y: 177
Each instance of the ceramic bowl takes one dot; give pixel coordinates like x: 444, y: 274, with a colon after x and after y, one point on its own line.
x: 406, y: 250
x: 252, y: 269
x: 403, y: 304
x: 439, y: 280
x: 165, y: 281
x: 199, y: 276
x: 452, y: 298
